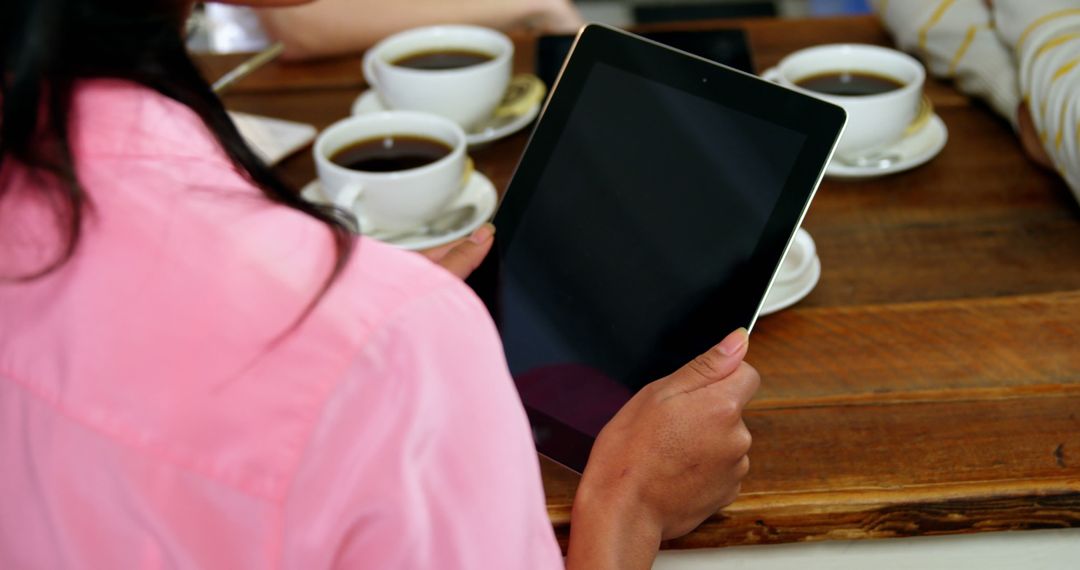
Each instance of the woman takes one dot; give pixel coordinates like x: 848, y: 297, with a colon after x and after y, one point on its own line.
x: 200, y: 370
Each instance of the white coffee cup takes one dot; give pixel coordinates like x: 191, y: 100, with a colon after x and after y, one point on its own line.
x: 395, y: 200
x: 874, y: 121
x: 466, y: 95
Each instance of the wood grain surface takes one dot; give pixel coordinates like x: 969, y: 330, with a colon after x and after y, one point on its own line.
x: 930, y: 384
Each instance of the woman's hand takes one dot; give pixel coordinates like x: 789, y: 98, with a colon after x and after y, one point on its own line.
x: 464, y: 255
x: 674, y: 455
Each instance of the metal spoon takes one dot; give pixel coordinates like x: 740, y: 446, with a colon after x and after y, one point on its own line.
x: 244, y: 69
x: 875, y: 160
x: 442, y: 224
x: 491, y: 124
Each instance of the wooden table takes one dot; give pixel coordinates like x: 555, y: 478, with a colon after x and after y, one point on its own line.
x: 930, y: 384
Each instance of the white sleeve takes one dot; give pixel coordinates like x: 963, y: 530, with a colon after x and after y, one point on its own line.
x: 1045, y: 35
x: 956, y: 40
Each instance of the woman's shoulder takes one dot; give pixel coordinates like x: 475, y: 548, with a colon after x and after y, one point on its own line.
x: 157, y: 177
x: 381, y: 280
x: 120, y: 118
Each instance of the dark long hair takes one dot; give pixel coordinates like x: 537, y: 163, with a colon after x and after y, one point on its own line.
x: 47, y: 45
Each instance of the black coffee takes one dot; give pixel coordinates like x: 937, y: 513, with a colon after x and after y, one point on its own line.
x: 390, y: 153
x: 849, y: 83
x: 443, y: 59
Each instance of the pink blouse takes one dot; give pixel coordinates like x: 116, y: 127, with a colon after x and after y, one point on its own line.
x: 158, y: 410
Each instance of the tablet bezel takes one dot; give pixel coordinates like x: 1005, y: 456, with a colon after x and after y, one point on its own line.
x: 821, y: 122
x: 553, y: 49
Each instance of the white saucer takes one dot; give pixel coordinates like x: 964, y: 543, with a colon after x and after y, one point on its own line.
x: 785, y: 294
x: 369, y: 102
x: 479, y: 192
x: 914, y: 150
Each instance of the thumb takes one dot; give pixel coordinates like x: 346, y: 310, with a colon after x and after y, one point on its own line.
x: 714, y: 365
x: 466, y: 256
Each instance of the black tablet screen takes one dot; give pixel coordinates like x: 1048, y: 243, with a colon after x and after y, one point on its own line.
x: 647, y: 208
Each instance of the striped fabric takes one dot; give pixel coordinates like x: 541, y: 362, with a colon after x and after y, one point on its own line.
x: 1005, y: 52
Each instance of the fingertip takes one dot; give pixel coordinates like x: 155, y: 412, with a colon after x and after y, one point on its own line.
x: 467, y: 254
x: 734, y: 342
x: 483, y: 233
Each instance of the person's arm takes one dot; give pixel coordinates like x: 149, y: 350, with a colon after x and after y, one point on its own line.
x: 1045, y: 36
x: 330, y: 27
x: 423, y: 457
x: 673, y: 456
x: 956, y: 40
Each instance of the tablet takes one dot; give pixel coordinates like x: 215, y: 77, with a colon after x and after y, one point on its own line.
x: 645, y: 221
x: 726, y: 46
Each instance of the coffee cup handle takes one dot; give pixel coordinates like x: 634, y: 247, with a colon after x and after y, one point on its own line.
x: 771, y: 74
x: 348, y: 195
x: 369, y: 69
x: 804, y: 242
